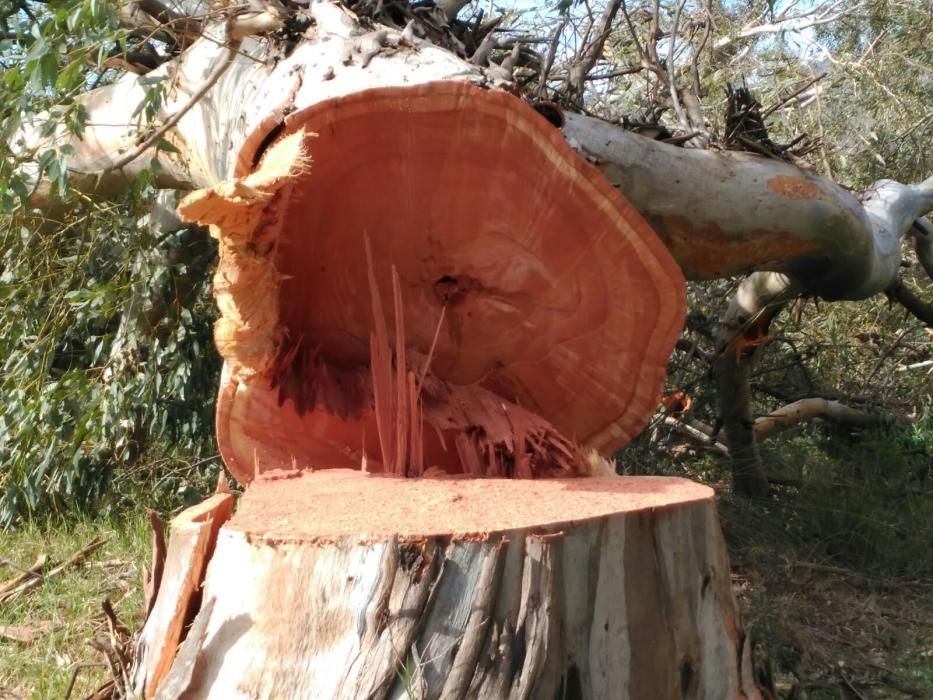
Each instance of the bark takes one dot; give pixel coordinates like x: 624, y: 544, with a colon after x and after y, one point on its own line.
x: 808, y: 409
x: 593, y: 588
x: 193, y: 534
x: 745, y: 213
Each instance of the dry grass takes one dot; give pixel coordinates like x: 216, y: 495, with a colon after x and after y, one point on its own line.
x: 833, y: 617
x: 55, y: 620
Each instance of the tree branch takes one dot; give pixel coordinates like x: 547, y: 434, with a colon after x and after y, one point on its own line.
x: 169, y: 123
x: 808, y: 409
x: 592, y: 50
x: 923, y: 244
x: 900, y: 293
x: 818, y: 16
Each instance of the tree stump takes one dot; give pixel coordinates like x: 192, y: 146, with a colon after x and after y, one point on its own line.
x: 438, y: 323
x: 342, y: 584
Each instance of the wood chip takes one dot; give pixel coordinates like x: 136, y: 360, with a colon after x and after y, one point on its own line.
x: 25, y: 634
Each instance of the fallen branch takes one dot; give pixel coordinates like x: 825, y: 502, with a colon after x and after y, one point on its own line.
x: 808, y: 409
x: 74, y: 676
x: 926, y: 364
x: 36, y: 581
x: 25, y: 574
x: 781, y: 419
x: 698, y: 431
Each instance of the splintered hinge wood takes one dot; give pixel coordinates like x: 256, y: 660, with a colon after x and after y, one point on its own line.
x: 247, y: 334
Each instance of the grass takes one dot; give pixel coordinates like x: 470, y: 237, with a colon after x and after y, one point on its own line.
x: 68, y: 606
x: 834, y: 575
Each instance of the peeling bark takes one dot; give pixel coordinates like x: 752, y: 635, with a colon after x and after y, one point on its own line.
x: 620, y: 590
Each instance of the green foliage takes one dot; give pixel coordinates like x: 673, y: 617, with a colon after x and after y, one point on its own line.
x: 55, y: 52
x: 85, y: 401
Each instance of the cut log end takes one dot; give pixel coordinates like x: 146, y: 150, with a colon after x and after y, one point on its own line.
x: 336, y: 503
x: 339, y: 584
x: 519, y: 290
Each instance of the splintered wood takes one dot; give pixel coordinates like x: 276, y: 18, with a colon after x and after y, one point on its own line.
x: 491, y: 437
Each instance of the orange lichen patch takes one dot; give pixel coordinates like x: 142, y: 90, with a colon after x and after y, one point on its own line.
x: 560, y: 306
x: 706, y: 252
x: 795, y: 187
x: 334, y: 503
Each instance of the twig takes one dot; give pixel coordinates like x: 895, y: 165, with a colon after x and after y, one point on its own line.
x: 683, y: 138
x: 71, y: 561
x: 675, y: 99
x: 849, y: 685
x: 631, y: 29
x: 757, y: 147
x: 74, y: 676
x: 780, y: 103
x: 887, y: 352
x: 31, y: 572
x: 582, y: 65
x: 549, y: 61
x: 232, y: 50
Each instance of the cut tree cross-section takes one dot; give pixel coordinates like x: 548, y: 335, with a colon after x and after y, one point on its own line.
x: 529, y: 296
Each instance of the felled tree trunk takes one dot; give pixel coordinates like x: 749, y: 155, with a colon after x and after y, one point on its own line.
x: 339, y: 584
x: 235, y: 91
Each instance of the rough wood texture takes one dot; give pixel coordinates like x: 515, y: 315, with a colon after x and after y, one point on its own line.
x: 366, y: 586
x: 193, y: 534
x: 526, y: 287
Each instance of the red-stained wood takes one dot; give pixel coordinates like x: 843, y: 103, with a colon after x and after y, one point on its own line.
x: 547, y: 299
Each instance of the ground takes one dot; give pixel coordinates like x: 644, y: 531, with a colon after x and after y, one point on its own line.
x: 57, y: 619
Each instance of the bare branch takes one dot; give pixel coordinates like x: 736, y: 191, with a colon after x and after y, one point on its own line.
x: 904, y: 296
x: 671, y: 70
x: 592, y: 50
x: 820, y: 15
x: 808, y: 409
x: 549, y: 61
x: 783, y: 101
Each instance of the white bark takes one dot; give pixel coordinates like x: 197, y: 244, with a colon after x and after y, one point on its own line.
x: 788, y: 21
x: 719, y: 213
x: 808, y: 409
